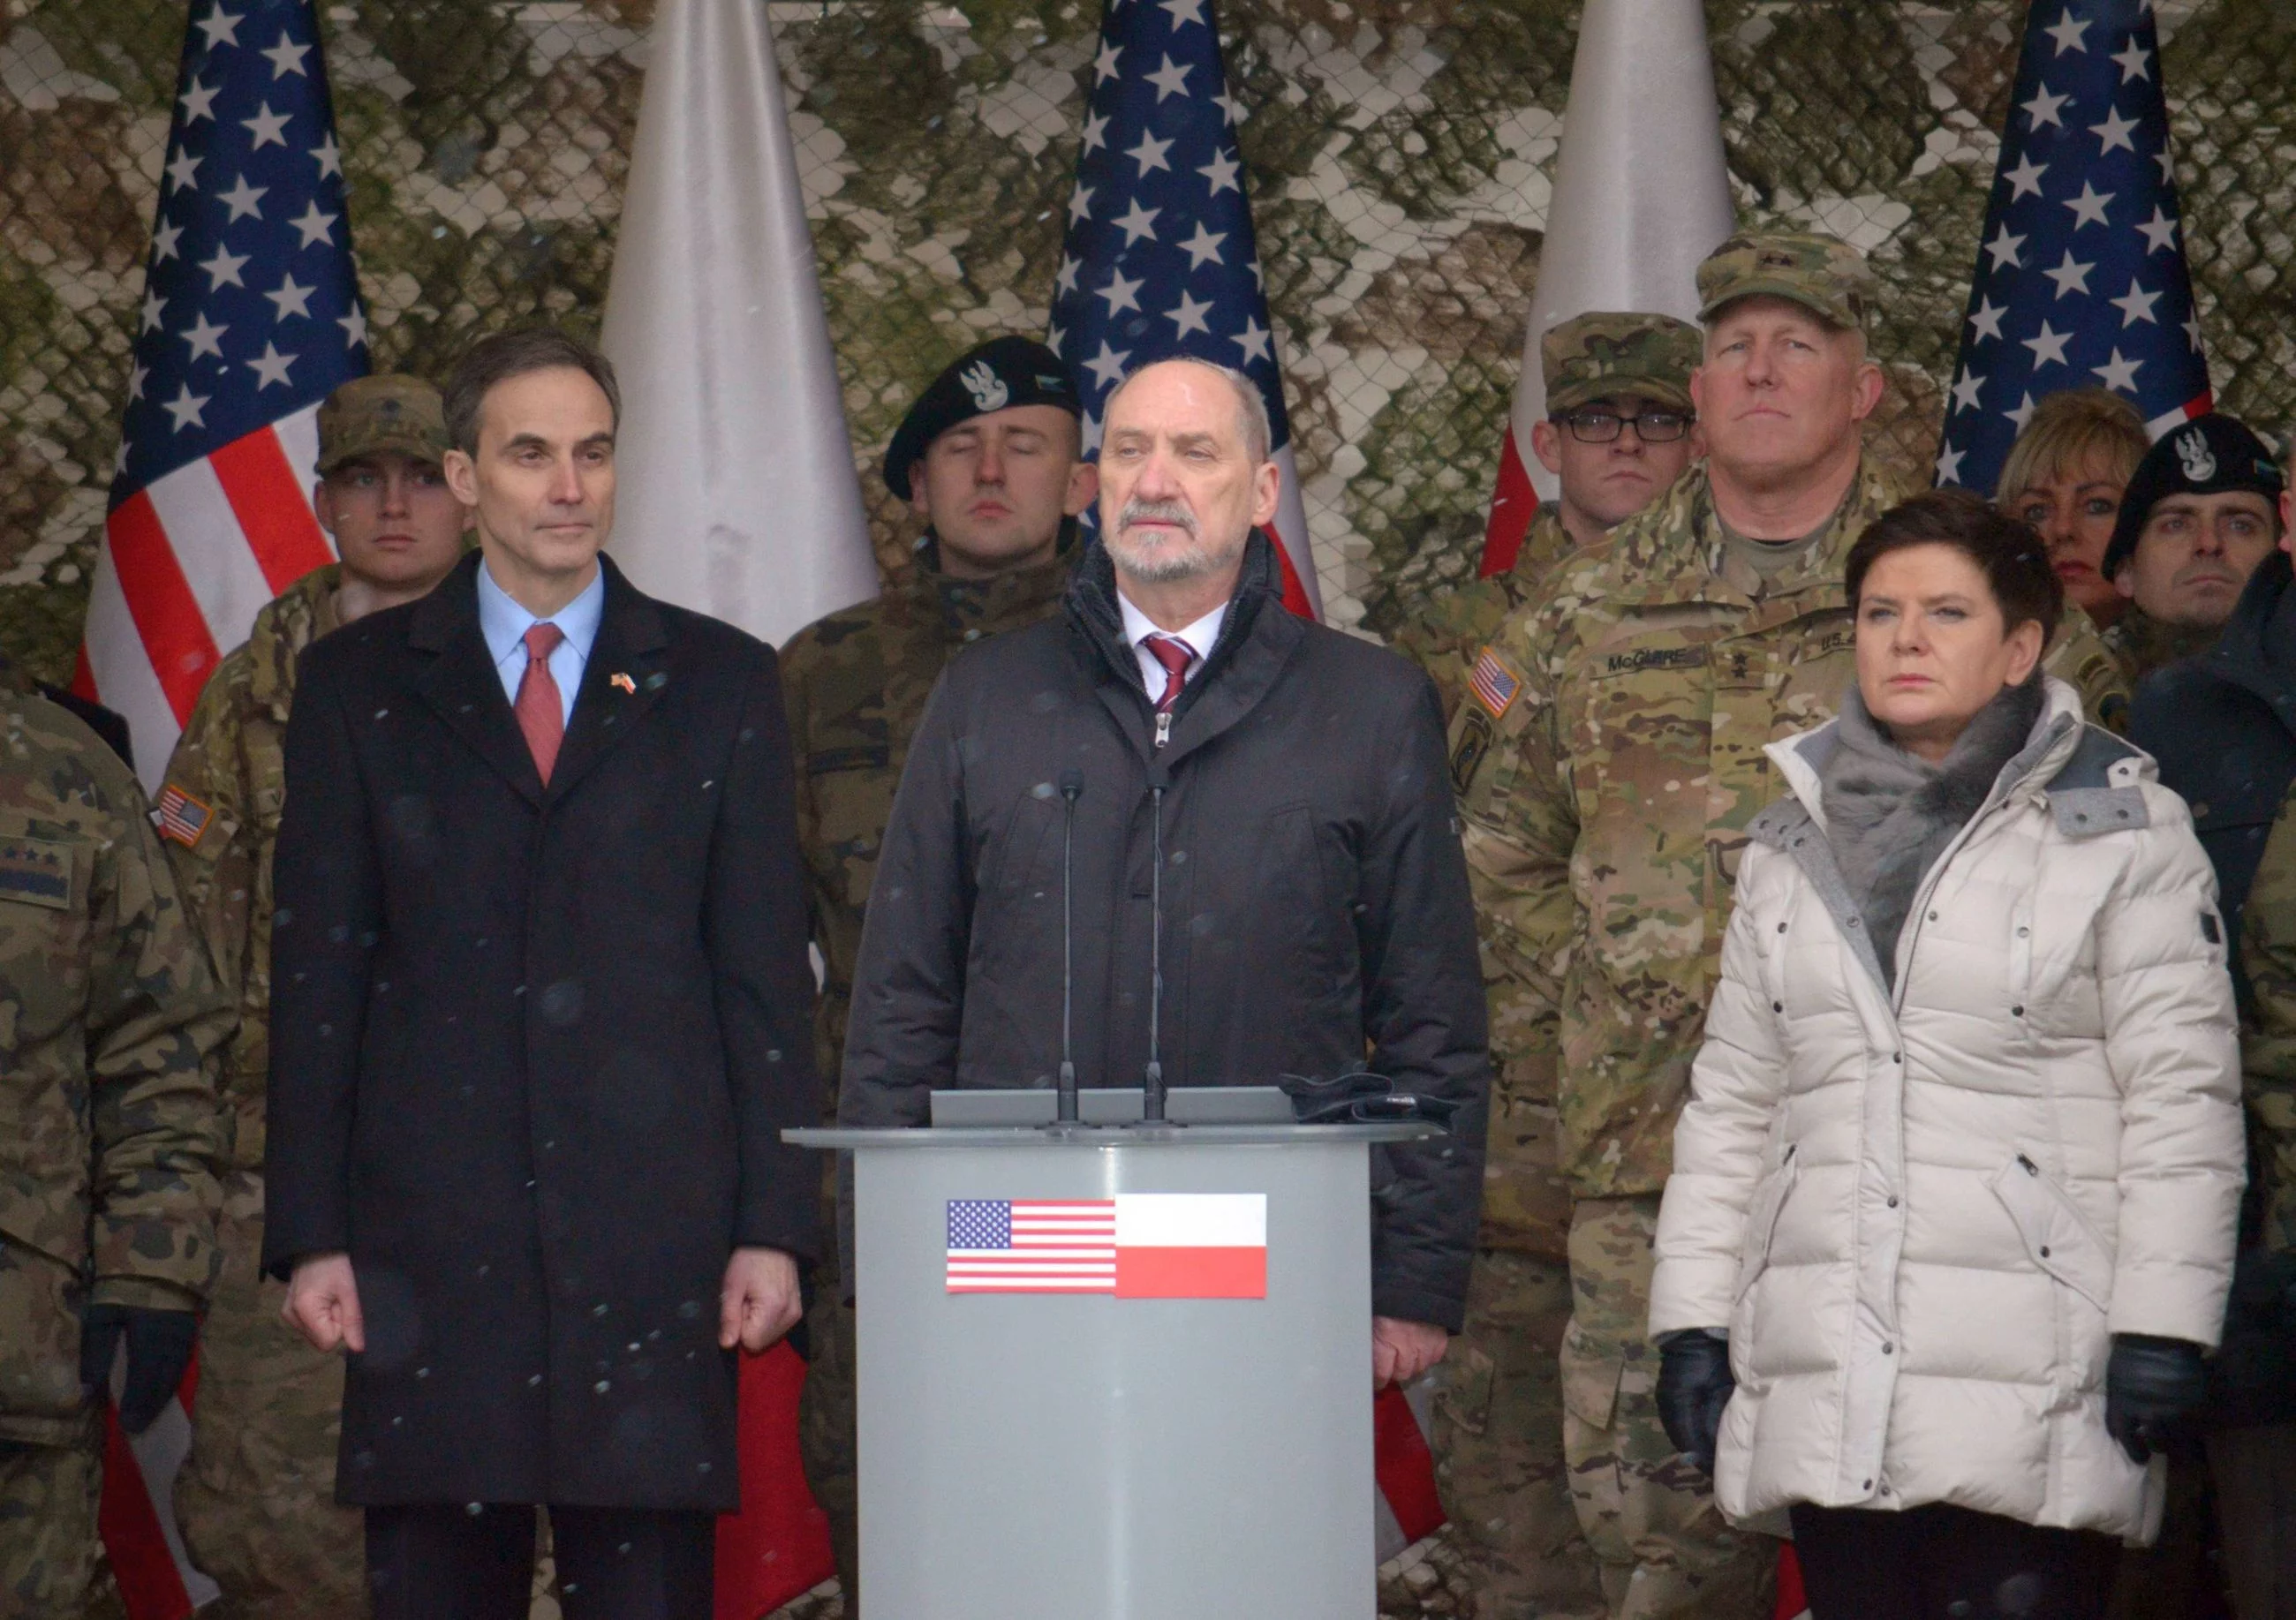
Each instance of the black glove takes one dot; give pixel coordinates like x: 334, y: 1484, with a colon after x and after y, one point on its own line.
x: 159, y: 1349
x: 2154, y: 1387
x: 1693, y: 1386
x: 1360, y: 1096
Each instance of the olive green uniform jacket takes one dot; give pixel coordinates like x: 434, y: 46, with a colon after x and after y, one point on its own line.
x: 228, y: 762
x: 111, y: 1023
x: 1609, y: 758
x: 1444, y: 637
x: 856, y: 683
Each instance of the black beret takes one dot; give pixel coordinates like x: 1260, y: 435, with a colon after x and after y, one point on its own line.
x: 2213, y: 456
x: 1002, y: 372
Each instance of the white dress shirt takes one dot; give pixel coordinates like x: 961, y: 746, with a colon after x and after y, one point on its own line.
x: 1200, y: 637
x: 504, y: 623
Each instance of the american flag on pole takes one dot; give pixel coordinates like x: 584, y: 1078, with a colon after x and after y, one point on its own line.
x: 251, y: 317
x: 1160, y: 259
x: 2081, y: 280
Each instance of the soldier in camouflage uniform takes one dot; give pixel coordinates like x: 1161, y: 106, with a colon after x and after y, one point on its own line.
x: 988, y: 458
x: 1624, y: 375
x: 1498, y: 1405
x: 110, y: 1020
x: 1609, y: 758
x: 256, y: 1500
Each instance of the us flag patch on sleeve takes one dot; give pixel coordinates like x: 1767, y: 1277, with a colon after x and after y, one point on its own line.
x: 181, y: 817
x: 1495, y: 685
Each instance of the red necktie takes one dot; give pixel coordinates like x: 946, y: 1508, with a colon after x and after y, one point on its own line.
x: 1174, y: 655
x: 541, y: 711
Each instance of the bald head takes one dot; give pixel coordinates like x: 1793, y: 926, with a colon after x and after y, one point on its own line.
x: 1250, y: 409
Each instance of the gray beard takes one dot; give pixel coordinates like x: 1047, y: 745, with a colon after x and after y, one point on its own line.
x: 1167, y: 565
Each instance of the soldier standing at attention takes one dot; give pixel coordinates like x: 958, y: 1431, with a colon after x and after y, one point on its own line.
x: 258, y: 1500
x: 1618, y: 387
x: 988, y: 458
x: 1609, y: 757
x: 110, y: 1020
x: 1618, y: 434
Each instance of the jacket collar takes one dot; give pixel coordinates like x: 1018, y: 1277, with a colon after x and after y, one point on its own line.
x: 1257, y: 639
x: 624, y: 677
x: 970, y: 609
x: 1673, y: 549
x: 2257, y: 650
x: 1795, y: 825
x: 1801, y: 760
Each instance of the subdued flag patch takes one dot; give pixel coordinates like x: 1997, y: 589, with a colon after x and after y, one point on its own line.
x: 181, y: 817
x: 1136, y: 1246
x: 1495, y: 685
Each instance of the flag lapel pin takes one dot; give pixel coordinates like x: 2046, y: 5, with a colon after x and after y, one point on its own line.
x: 623, y: 682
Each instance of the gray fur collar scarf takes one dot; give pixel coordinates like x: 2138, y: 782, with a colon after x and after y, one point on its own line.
x: 1890, y: 814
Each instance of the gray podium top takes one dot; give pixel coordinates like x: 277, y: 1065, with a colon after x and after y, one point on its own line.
x: 1195, y: 1116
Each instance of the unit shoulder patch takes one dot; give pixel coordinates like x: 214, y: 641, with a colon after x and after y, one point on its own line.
x: 1470, y: 741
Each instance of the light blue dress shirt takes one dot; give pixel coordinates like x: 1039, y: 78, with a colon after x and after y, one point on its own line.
x: 504, y: 623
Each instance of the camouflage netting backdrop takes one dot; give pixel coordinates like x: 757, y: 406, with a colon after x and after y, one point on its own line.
x: 1399, y: 155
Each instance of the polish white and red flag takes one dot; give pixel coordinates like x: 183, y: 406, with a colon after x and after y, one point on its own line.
x: 1135, y: 1246
x: 251, y: 317
x: 1642, y: 193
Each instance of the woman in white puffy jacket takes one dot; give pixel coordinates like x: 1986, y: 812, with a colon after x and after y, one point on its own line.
x: 1953, y: 1208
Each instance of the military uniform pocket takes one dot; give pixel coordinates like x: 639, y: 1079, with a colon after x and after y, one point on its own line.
x: 1468, y: 1377
x: 40, y: 1297
x: 1591, y: 1373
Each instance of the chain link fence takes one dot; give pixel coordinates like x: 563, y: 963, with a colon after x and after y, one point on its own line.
x: 1399, y: 154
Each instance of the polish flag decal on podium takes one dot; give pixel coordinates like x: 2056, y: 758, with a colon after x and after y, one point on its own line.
x: 1136, y: 1246
x: 1192, y: 1246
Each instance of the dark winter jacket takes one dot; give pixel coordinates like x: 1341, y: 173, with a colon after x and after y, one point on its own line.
x: 1315, y: 907
x: 533, y: 1048
x: 2223, y: 726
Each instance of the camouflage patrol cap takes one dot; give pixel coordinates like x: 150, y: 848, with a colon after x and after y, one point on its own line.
x: 1823, y: 273
x: 386, y: 414
x: 1605, y: 355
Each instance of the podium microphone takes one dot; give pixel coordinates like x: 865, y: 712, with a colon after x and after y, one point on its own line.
x: 1151, y: 1090
x: 1071, y: 789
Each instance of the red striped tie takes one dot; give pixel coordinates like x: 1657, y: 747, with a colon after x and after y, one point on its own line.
x: 1174, y: 655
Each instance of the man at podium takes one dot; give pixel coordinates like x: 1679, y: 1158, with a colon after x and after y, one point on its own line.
x: 1256, y: 803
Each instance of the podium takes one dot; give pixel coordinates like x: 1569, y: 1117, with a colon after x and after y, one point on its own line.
x: 1050, y: 1431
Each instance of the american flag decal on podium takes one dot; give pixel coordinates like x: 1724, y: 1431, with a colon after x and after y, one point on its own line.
x: 251, y: 318
x: 1136, y: 1246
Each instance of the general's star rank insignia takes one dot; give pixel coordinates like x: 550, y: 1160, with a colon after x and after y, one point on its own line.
x: 36, y: 871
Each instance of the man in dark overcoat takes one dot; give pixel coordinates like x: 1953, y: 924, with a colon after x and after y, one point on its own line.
x: 1315, y: 914
x: 541, y: 1011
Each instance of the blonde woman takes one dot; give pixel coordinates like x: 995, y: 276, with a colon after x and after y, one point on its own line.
x: 2064, y: 475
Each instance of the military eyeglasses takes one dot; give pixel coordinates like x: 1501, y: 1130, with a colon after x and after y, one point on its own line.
x: 1601, y: 427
